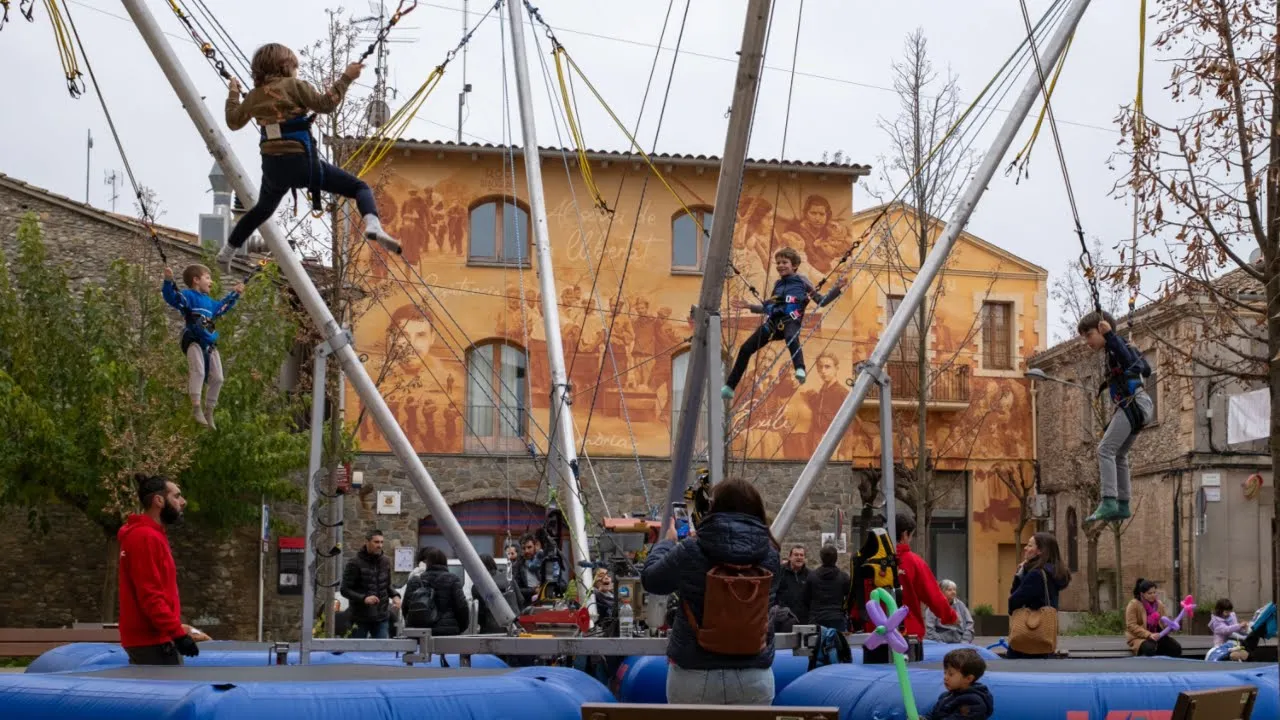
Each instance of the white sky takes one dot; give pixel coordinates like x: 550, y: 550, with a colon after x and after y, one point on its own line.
x: 842, y: 86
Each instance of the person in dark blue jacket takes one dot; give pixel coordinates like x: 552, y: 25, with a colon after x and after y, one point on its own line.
x: 965, y: 698
x: 783, y: 316
x: 1039, y: 579
x: 1126, y: 371
x: 734, y: 531
x: 199, y: 336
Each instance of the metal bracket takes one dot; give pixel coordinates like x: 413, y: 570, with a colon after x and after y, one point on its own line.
x: 875, y: 371
x: 335, y: 343
x: 807, y: 641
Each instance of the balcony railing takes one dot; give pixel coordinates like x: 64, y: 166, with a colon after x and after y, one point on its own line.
x: 948, y: 384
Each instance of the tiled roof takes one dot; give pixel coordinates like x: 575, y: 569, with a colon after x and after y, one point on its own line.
x: 849, y: 169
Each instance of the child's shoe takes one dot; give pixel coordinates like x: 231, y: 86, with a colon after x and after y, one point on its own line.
x: 208, y: 417
x: 726, y: 392
x: 800, y: 375
x: 1122, y: 510
x: 1108, y: 511
x: 199, y: 414
x: 224, y: 256
x: 373, y: 230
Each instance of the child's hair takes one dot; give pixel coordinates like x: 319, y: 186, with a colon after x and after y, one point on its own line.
x: 271, y: 61
x: 194, y: 272
x: 1090, y: 321
x: 1223, y: 606
x: 1141, y: 587
x: 789, y: 254
x: 965, y: 661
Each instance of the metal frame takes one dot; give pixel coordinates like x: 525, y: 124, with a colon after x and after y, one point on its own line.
x: 192, y: 101
x: 715, y: 406
x: 929, y: 271
x: 886, y: 450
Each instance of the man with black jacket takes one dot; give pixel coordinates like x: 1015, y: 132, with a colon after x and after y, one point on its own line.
x: 366, y: 583
x: 826, y: 591
x: 790, y: 583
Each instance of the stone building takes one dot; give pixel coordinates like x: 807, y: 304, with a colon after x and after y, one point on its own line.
x: 1200, y: 525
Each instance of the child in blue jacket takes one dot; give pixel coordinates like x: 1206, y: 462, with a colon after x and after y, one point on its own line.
x: 199, y: 336
x: 1126, y: 372
x: 784, y: 316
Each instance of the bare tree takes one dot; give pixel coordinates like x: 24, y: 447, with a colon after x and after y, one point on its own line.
x: 1021, y: 487
x: 1070, y: 292
x: 1208, y: 185
x: 930, y: 170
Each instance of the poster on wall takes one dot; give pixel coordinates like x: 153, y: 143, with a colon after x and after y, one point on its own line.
x: 290, y: 556
x: 842, y: 545
x: 404, y: 559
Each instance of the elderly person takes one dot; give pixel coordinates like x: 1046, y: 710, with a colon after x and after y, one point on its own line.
x: 962, y: 631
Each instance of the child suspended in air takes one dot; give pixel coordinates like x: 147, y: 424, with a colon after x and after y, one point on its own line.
x: 1126, y: 371
x: 199, y: 337
x: 280, y: 103
x: 784, y: 316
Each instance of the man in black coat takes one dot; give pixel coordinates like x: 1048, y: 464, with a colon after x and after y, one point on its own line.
x: 790, y: 584
x: 366, y: 584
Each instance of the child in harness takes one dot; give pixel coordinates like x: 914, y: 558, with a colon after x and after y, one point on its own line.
x: 1126, y: 371
x: 784, y: 316
x: 199, y: 336
x: 280, y: 104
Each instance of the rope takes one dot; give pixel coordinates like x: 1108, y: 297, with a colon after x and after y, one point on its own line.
x: 1139, y: 139
x: 66, y: 51
x: 580, y: 145
x: 238, y: 55
x: 148, y: 223
x: 206, y: 48
x: 1023, y: 158
x: 400, y: 12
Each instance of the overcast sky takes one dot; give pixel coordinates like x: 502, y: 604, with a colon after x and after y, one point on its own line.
x: 842, y: 86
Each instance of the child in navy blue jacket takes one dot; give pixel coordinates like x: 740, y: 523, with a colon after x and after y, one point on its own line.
x: 784, y: 316
x: 199, y: 336
x: 965, y: 698
x: 1125, y: 374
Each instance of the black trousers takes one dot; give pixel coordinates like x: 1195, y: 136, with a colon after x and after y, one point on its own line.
x: 282, y: 173
x: 164, y: 654
x: 765, y: 334
x: 1165, y: 646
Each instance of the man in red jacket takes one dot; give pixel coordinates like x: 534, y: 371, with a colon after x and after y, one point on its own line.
x: 917, y: 581
x: 151, y: 628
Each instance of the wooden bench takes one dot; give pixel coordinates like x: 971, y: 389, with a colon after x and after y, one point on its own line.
x: 30, y: 642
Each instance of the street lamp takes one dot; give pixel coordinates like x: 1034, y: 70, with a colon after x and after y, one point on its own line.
x: 1038, y: 374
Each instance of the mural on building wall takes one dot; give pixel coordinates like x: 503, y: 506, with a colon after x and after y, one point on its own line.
x: 454, y: 302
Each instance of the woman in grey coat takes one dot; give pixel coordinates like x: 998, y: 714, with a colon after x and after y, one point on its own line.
x: 962, y: 631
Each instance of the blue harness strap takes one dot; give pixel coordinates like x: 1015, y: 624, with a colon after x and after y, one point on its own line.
x: 189, y: 337
x: 298, y: 129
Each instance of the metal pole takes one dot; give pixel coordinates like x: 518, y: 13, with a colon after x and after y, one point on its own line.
x: 728, y: 187
x: 715, y: 408
x: 886, y: 453
x: 929, y: 270
x: 339, y: 339
x: 262, y: 559
x: 88, y: 160
x: 321, y: 359
x: 564, y: 456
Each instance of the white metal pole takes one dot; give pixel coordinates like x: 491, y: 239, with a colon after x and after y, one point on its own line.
x: 929, y: 270
x: 886, y: 457
x: 262, y: 561
x: 340, y: 340
x: 320, y: 361
x: 728, y: 188
x: 564, y: 454
x: 715, y: 406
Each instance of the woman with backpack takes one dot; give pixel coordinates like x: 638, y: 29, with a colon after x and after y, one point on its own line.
x: 434, y: 599
x: 721, y: 642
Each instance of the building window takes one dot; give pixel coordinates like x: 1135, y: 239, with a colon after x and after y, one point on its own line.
x: 1073, y: 541
x: 908, y: 350
x: 497, y: 402
x: 679, y: 370
x: 499, y: 233
x: 997, y: 335
x: 688, y: 245
x: 490, y: 525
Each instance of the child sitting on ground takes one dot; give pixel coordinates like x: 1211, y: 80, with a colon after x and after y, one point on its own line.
x: 965, y: 698
x: 280, y: 103
x: 1227, y: 629
x: 784, y: 316
x: 199, y: 338
x: 1126, y: 370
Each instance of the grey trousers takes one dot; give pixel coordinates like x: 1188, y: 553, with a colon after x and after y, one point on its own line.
x: 196, y: 375
x: 1113, y: 451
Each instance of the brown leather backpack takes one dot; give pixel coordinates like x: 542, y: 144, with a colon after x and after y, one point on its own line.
x: 735, y: 610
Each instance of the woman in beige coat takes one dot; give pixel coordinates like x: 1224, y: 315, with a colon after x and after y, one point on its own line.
x: 1142, y: 623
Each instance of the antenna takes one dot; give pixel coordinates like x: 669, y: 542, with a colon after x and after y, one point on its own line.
x: 466, y: 86
x: 379, y: 111
x: 113, y: 179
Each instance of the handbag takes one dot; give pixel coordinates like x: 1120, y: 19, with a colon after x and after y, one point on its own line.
x: 1035, y: 632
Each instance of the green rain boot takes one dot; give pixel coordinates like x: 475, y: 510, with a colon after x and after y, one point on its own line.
x: 1108, y: 510
x: 1122, y: 510
x: 726, y: 392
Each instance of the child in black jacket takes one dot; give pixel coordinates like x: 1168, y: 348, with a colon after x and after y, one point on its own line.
x: 965, y: 698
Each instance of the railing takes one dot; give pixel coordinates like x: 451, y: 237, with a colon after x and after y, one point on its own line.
x: 947, y: 383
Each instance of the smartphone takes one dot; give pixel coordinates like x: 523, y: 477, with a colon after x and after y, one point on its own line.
x: 680, y: 514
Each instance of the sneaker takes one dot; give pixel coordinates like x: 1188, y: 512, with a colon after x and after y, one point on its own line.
x: 373, y: 230
x: 1108, y: 511
x: 800, y: 376
x: 225, y: 256
x: 1122, y: 510
x: 208, y: 417
x: 199, y: 415
x: 726, y: 392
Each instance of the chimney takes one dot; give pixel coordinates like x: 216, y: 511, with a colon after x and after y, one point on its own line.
x: 215, y: 227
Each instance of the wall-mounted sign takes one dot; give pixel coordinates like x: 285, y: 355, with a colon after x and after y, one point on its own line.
x: 404, y: 559
x: 290, y: 556
x: 388, y: 502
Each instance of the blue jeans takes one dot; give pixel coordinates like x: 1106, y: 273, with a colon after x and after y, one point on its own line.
x: 282, y: 173
x: 745, y: 686
x: 361, y: 629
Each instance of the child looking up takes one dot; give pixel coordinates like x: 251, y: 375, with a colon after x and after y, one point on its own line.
x: 784, y: 316
x: 279, y: 103
x: 199, y: 337
x: 1125, y: 372
x: 965, y: 698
